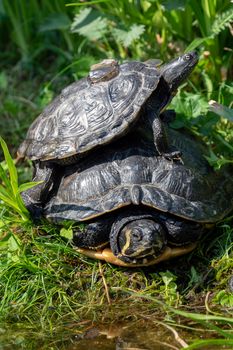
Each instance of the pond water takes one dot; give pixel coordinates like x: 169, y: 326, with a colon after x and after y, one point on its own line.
x: 139, y: 335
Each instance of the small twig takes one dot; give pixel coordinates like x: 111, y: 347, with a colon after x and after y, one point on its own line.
x: 206, y: 303
x: 176, y: 335
x: 104, y: 282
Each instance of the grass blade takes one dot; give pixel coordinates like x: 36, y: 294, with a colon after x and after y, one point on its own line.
x: 195, y: 43
x: 86, y: 3
x: 28, y: 185
x: 200, y: 343
x: 11, y: 194
x: 221, y: 110
x: 11, y: 166
x: 5, y: 179
x: 11, y: 203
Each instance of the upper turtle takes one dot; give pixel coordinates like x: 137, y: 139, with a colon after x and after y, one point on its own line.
x: 101, y: 107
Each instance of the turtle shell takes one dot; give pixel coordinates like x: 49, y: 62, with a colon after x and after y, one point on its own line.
x: 92, y: 111
x: 124, y: 176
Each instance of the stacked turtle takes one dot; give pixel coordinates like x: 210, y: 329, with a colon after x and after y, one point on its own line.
x: 141, y: 203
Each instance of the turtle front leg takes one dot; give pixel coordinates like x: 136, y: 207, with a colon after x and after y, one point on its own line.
x: 35, y: 197
x: 181, y: 231
x: 94, y: 235
x: 160, y: 138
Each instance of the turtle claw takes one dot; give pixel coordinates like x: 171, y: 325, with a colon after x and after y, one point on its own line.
x: 173, y: 156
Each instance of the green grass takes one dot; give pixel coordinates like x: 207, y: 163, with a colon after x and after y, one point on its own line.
x: 27, y: 21
x: 44, y: 282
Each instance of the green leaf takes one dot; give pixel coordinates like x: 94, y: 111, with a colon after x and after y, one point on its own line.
x: 55, y: 21
x: 224, y: 298
x: 127, y: 37
x: 167, y: 277
x: 217, y: 162
x: 221, y: 110
x: 67, y: 233
x: 221, y: 22
x: 89, y: 23
x: 189, y: 104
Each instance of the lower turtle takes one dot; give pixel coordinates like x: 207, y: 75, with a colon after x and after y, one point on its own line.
x: 138, y: 207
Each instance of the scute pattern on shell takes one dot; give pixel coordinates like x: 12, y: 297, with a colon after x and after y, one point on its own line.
x: 86, y: 115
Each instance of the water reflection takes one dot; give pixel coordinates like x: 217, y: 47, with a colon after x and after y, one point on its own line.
x: 140, y: 335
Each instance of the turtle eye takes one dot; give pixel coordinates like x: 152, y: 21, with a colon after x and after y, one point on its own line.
x: 187, y: 57
x: 137, y: 235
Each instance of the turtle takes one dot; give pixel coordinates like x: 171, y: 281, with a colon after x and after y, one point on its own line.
x: 138, y: 208
x: 98, y: 109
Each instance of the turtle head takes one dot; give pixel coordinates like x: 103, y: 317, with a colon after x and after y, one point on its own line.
x: 138, y: 241
x: 177, y: 70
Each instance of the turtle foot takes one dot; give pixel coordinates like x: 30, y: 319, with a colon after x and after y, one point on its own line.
x: 35, y: 211
x: 34, y: 208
